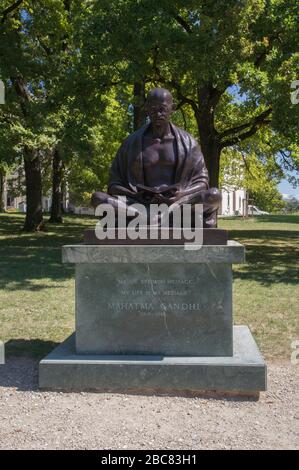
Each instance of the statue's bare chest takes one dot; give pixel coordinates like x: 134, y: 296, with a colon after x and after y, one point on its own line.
x: 159, y: 152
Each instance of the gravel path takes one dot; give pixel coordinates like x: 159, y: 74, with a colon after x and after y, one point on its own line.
x: 30, y: 419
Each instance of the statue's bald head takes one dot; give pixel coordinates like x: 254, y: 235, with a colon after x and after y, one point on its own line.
x: 159, y: 105
x: 159, y: 94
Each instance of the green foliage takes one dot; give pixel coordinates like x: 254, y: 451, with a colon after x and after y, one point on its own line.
x: 266, y: 196
x: 94, y: 151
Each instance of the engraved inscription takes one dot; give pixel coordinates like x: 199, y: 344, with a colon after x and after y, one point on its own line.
x: 154, y: 295
x: 150, y: 307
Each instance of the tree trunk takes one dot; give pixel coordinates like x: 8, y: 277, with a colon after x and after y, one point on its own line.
x: 139, y: 101
x: 207, y: 99
x: 57, y: 174
x: 209, y: 140
x: 34, y: 213
x: 211, y: 151
x: 2, y: 182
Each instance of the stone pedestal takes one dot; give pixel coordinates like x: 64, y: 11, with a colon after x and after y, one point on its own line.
x: 156, y: 301
x: 155, y: 317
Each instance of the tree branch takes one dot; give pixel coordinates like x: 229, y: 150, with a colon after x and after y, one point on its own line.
x: 288, y: 165
x: 234, y: 130
x: 21, y: 88
x: 10, y: 9
x: 246, y: 164
x: 254, y: 125
x: 183, y: 23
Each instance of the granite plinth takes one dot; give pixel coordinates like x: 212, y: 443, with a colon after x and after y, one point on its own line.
x: 231, y: 253
x: 244, y: 373
x: 154, y: 300
x: 210, y: 236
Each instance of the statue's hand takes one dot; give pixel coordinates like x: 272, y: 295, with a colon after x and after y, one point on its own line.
x: 118, y: 190
x: 179, y: 194
x: 161, y: 199
x: 139, y: 196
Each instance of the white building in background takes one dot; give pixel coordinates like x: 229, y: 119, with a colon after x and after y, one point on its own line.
x: 18, y: 203
x: 234, y: 202
x: 234, y: 195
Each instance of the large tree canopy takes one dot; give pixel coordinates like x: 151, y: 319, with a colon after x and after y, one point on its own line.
x: 76, y: 73
x: 231, y: 61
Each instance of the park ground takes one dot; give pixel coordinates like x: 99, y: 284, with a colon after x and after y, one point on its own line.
x: 37, y: 312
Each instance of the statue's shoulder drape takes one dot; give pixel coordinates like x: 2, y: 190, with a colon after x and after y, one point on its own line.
x: 127, y: 167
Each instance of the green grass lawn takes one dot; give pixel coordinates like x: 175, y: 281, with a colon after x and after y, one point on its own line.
x: 37, y: 290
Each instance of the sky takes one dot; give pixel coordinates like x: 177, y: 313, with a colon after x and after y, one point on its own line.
x: 286, y: 188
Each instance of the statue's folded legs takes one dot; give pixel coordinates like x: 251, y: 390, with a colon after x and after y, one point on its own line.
x: 210, y: 199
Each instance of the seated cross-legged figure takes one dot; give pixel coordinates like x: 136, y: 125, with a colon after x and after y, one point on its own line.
x: 165, y: 158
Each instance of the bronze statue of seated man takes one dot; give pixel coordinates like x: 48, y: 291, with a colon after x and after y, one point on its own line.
x: 161, y: 163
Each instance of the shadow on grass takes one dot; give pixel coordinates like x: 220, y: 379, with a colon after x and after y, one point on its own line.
x: 279, y: 218
x: 281, y: 236
x: 20, y: 268
x: 271, y: 218
x: 271, y: 256
x: 71, y: 231
x: 29, y: 257
x: 34, y: 348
